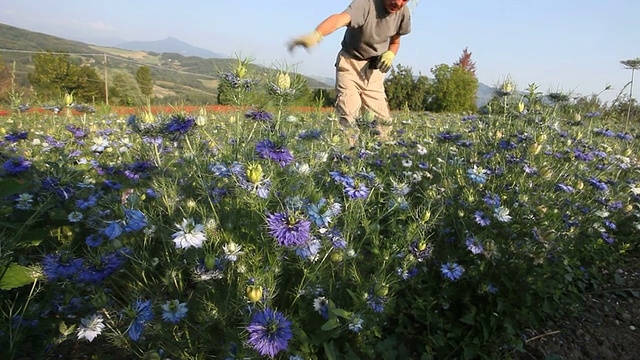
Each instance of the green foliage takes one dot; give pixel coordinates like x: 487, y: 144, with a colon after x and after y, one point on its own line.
x: 124, y: 90
x: 5, y: 79
x: 144, y: 80
x: 454, y: 90
x: 404, y: 91
x: 55, y: 75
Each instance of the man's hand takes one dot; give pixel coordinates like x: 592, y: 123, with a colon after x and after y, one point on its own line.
x: 306, y: 41
x: 385, y: 61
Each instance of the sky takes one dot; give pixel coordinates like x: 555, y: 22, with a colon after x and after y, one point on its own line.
x: 561, y: 45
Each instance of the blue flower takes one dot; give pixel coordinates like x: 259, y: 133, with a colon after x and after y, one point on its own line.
x: 452, y: 271
x: 108, y: 265
x: 113, y: 230
x: 135, y: 220
x: 356, y: 323
x: 16, y: 165
x: 173, y: 311
x: 141, y: 312
x: 60, y: 266
x: 321, y: 213
x: 309, y: 250
x: 269, y: 332
x: 180, y: 124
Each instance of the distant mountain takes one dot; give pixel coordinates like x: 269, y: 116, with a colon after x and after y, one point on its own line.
x: 170, y: 45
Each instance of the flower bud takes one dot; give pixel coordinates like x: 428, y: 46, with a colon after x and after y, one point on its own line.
x: 626, y: 152
x: 254, y: 293
x: 241, y: 70
x: 381, y: 290
x: 541, y: 138
x: 507, y: 87
x: 426, y: 216
x: 520, y: 106
x: 283, y: 80
x: 254, y: 173
x: 534, y: 149
x: 579, y: 185
x: 68, y: 99
x: 209, y: 261
x: 627, y: 208
x: 336, y: 256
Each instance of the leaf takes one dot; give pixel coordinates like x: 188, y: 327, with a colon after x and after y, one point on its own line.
x: 9, y: 186
x: 342, y: 313
x: 467, y: 319
x: 330, y: 351
x: 331, y: 324
x: 16, y: 276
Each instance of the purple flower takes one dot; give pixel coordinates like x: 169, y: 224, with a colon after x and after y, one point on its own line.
x: 564, y: 187
x: 76, y: 131
x: 16, y: 137
x: 356, y: 191
x: 278, y: 153
x: 269, y: 332
x: 474, y: 245
x: 288, y: 230
x: 16, y: 165
x: 180, y: 124
x: 259, y: 115
x: 481, y: 218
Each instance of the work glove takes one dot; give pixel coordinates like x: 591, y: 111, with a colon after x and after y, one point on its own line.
x: 385, y: 61
x: 306, y: 41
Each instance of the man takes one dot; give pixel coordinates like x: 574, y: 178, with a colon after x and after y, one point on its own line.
x: 370, y: 43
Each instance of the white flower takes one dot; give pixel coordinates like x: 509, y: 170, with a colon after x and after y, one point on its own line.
x: 75, y: 216
x: 422, y: 150
x: 502, y: 214
x: 99, y: 144
x: 90, y: 327
x: 232, y: 251
x: 319, y: 303
x: 303, y: 168
x: 190, y: 235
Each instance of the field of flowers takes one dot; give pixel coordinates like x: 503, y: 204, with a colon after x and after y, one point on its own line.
x: 196, y: 234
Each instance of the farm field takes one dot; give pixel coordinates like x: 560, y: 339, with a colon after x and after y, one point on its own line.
x: 238, y: 232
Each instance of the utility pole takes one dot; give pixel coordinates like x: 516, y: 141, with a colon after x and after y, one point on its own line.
x: 106, y: 81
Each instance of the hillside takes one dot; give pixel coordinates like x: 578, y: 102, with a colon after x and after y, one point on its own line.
x: 186, y: 77
x: 172, y: 45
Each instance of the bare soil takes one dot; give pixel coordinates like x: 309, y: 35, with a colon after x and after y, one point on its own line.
x: 608, y: 328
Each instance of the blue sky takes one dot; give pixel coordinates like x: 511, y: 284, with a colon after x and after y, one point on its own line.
x: 566, y: 45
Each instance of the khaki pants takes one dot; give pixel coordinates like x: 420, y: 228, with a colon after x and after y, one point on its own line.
x: 357, y: 85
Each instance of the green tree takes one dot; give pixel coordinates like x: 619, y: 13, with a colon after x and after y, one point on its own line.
x: 144, y: 80
x: 50, y: 73
x: 55, y: 75
x: 124, y: 90
x: 406, y: 91
x: 454, y: 89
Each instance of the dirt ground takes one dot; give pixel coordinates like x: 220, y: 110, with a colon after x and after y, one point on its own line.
x: 608, y: 329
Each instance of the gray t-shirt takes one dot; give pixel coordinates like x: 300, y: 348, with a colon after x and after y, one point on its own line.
x: 371, y: 28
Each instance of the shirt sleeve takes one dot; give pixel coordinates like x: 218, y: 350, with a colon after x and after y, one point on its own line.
x: 405, y: 23
x: 357, y: 11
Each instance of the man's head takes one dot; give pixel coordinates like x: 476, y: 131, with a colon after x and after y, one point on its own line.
x: 393, y: 6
